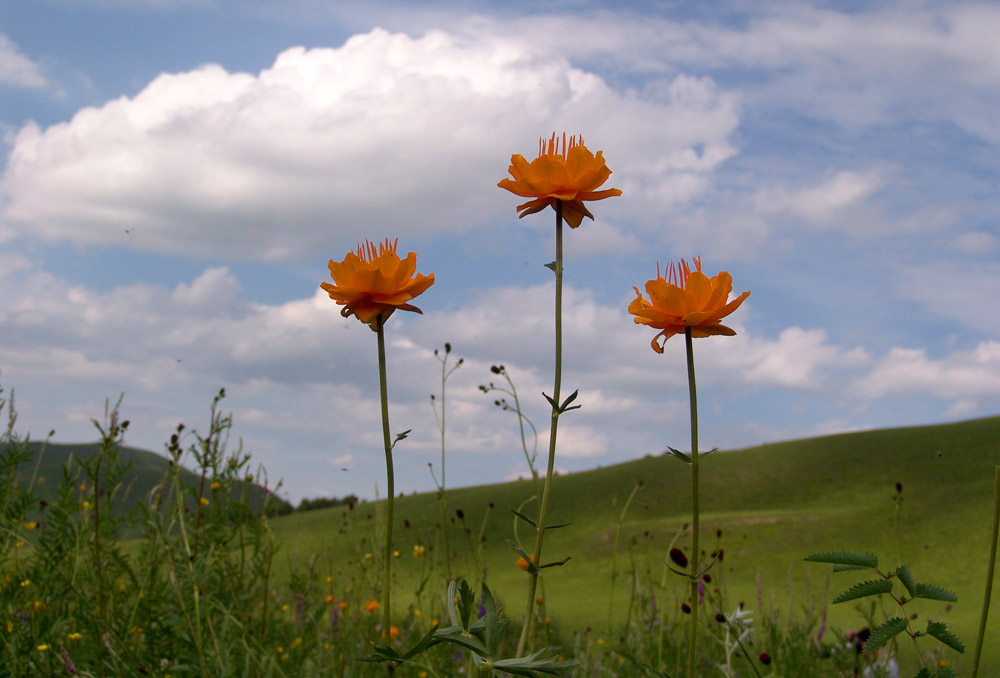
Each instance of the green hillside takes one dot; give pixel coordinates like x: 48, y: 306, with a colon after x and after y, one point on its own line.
x: 774, y: 504
x: 146, y: 470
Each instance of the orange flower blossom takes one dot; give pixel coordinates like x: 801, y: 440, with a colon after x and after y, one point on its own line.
x: 683, y: 299
x: 567, y: 172
x: 370, y: 284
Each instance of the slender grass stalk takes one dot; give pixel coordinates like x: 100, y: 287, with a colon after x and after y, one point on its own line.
x: 442, y: 495
x: 990, y: 569
x: 547, y: 486
x: 695, y: 516
x: 614, y: 552
x: 390, y: 488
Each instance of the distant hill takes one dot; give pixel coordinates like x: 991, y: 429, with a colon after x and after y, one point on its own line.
x: 146, y: 470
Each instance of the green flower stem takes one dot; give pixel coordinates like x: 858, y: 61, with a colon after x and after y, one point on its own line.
x: 695, y: 547
x: 546, y: 487
x: 990, y: 569
x: 390, y: 487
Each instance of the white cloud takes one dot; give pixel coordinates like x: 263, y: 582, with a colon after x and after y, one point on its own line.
x: 823, y: 203
x: 16, y: 69
x: 962, y: 292
x: 963, y: 376
x: 327, y: 143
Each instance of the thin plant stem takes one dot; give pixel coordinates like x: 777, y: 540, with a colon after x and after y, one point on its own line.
x: 390, y: 487
x: 990, y: 569
x: 543, y: 508
x: 695, y: 525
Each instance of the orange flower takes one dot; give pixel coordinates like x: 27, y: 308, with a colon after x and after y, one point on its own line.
x: 523, y: 564
x: 393, y: 632
x: 685, y: 299
x: 371, y: 606
x: 372, y: 284
x: 570, y: 173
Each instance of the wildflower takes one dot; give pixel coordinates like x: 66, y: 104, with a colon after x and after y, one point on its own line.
x: 369, y: 558
x: 523, y: 564
x: 943, y: 663
x: 30, y: 525
x: 328, y: 600
x: 393, y: 632
x: 284, y: 607
x: 203, y: 501
x: 395, y: 554
x: 371, y: 606
x: 43, y: 647
x: 296, y: 643
x: 371, y: 284
x: 765, y: 658
x: 343, y: 605
x: 19, y: 543
x: 74, y: 636
x: 418, y: 551
x: 569, y: 173
x: 215, y: 485
x: 683, y: 299
x: 10, y: 626
x: 26, y: 583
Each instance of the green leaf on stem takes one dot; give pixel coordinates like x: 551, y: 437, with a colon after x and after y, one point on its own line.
x: 851, y: 559
x: 932, y: 592
x: 525, y: 519
x: 940, y: 631
x: 551, y: 266
x: 680, y: 455
x: 903, y: 572
x: 864, y: 589
x: 884, y: 633
x: 557, y: 564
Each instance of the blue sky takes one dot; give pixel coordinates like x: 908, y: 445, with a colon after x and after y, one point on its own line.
x: 177, y: 173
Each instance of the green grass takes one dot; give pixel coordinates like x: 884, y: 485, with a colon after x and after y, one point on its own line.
x: 774, y: 504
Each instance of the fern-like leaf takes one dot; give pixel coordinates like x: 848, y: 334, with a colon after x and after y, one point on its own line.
x: 903, y: 572
x: 855, y: 559
x: 884, y: 633
x: 933, y: 592
x: 940, y: 631
x: 872, y: 587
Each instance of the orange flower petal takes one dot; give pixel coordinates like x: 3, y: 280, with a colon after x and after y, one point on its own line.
x: 568, y: 172
x: 684, y: 299
x: 372, y: 283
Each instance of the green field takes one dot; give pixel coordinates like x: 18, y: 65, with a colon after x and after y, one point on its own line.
x: 774, y: 504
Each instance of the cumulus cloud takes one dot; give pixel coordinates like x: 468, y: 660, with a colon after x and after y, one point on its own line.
x: 299, y: 371
x: 328, y: 142
x: 16, y: 69
x: 963, y: 376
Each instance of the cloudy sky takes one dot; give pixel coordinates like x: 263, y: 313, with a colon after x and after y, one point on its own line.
x: 177, y: 173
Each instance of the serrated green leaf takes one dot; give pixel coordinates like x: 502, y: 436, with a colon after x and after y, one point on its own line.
x: 940, y: 631
x: 872, y: 587
x: 884, y: 633
x: 946, y: 673
x: 848, y: 568
x: 903, y: 572
x: 856, y: 559
x: 933, y: 592
x: 924, y: 673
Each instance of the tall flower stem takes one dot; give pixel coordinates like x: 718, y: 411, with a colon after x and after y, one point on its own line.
x: 695, y: 526
x: 390, y: 487
x: 990, y: 569
x: 546, y: 487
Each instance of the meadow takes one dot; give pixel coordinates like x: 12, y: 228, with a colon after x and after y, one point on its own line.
x: 306, y: 578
